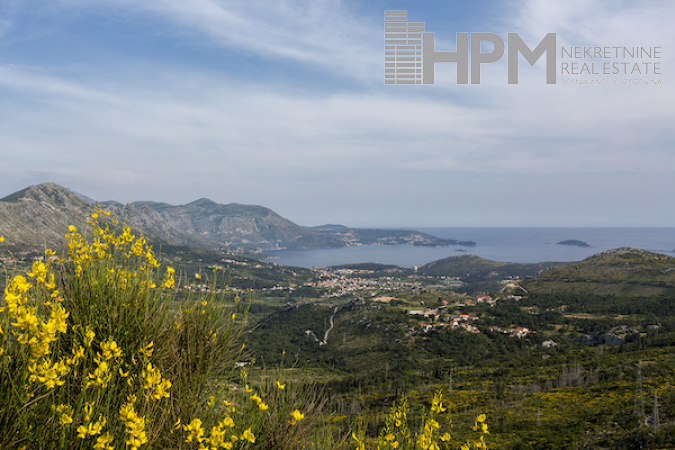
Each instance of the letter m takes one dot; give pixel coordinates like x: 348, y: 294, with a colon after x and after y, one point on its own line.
x: 547, y: 45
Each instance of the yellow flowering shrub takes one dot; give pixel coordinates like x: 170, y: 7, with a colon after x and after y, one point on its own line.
x: 89, y: 352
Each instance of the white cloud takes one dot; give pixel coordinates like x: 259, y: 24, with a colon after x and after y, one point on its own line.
x: 319, y: 34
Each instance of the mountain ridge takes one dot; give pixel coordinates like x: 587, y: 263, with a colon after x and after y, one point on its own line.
x: 40, y: 214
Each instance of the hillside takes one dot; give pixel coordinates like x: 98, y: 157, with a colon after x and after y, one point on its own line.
x: 473, y: 267
x: 623, y: 272
x: 38, y: 214
x: 618, y: 265
x: 244, y: 227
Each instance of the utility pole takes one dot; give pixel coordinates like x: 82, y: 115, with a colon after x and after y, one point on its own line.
x: 639, y: 402
x: 655, y: 416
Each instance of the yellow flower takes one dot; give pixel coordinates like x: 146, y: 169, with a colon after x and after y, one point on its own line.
x: 81, y: 432
x: 51, y: 284
x: 216, y: 438
x: 280, y: 386
x: 295, y: 417
x: 176, y: 426
x: 195, y: 431
x: 227, y: 422
x: 87, y: 411
x: 148, y: 349
x: 135, y: 425
x: 101, y: 375
x: 39, y: 271
x: 65, y: 419
x: 91, y: 429
x: 162, y: 390
x: 360, y: 445
x: 88, y: 337
x: 437, y: 404
x: 97, y: 427
x: 151, y: 375
x: 480, y: 423
x: 103, y: 442
x: 110, y: 349
x: 2, y: 239
x: 65, y: 413
x: 248, y: 435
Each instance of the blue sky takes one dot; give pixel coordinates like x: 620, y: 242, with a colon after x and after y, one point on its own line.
x: 283, y: 104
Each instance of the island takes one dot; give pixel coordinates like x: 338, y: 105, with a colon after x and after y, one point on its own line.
x: 573, y: 243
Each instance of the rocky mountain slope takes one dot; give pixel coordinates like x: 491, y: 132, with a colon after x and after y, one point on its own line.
x: 246, y: 227
x: 41, y: 214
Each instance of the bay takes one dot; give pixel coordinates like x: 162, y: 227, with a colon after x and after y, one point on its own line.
x: 524, y: 245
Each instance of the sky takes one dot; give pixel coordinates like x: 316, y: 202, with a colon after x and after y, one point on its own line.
x: 283, y: 104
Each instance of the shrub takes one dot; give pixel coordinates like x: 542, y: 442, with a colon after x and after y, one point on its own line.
x: 101, y: 348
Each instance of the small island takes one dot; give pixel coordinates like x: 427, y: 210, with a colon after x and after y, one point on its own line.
x: 573, y: 243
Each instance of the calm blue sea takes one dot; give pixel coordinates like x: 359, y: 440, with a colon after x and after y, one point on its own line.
x: 527, y: 245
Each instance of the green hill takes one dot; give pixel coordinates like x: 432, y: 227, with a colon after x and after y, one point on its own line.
x: 474, y: 268
x: 623, y: 272
x: 619, y: 265
x: 621, y: 281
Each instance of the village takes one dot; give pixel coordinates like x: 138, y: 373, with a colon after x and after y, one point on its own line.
x: 338, y: 283
x: 440, y: 317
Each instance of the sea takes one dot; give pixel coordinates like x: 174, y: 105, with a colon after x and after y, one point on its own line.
x: 522, y: 245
